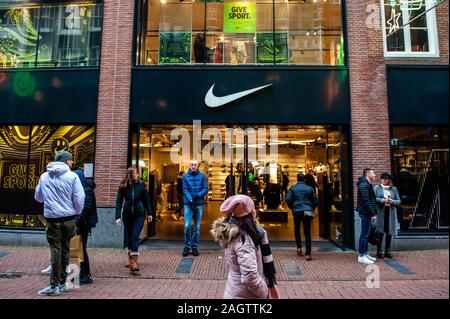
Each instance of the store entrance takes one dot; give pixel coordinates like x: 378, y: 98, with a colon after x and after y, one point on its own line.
x: 259, y: 161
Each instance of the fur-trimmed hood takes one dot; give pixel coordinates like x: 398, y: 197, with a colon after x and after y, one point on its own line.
x: 224, y: 232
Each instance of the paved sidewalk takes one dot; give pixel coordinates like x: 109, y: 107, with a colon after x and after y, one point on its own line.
x: 165, y: 274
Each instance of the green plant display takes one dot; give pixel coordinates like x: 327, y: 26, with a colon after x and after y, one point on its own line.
x: 174, y: 47
x: 267, y: 47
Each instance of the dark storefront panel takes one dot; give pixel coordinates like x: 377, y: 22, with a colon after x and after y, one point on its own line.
x: 418, y: 94
x: 25, y: 152
x: 49, y: 96
x: 307, y: 96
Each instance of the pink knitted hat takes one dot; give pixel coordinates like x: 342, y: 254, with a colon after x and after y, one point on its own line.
x: 238, y: 205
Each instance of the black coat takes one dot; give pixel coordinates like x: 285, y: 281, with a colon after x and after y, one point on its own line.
x: 136, y: 199
x: 301, y: 197
x: 88, y: 217
x: 367, y: 201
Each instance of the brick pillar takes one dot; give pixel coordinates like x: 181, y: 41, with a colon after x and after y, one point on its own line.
x: 368, y: 92
x: 114, y: 97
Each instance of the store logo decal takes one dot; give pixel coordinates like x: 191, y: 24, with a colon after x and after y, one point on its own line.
x: 215, y: 101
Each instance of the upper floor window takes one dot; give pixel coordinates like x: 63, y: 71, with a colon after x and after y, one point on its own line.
x: 47, y: 33
x: 409, y: 28
x: 240, y: 32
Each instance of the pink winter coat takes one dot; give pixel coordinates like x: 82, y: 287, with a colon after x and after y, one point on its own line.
x: 245, y: 268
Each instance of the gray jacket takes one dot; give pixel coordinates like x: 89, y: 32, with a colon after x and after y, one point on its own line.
x: 379, y: 194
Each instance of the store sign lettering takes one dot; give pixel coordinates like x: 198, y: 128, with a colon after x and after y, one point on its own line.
x: 239, y: 17
x: 17, y: 177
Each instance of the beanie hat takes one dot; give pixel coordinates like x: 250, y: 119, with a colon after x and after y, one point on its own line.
x: 63, y: 156
x: 80, y: 174
x: 238, y: 206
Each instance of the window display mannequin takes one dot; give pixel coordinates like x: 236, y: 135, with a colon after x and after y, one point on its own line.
x: 230, y: 183
x: 199, y: 48
x: 273, y: 180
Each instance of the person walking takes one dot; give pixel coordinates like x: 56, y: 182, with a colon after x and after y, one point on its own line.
x: 85, y: 222
x: 135, y: 200
x: 302, y: 200
x: 63, y: 196
x: 195, y: 187
x: 251, y: 271
x: 367, y: 210
x: 387, y: 201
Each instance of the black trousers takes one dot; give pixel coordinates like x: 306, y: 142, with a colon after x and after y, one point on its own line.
x: 386, y: 230
x: 298, y: 219
x: 85, y: 269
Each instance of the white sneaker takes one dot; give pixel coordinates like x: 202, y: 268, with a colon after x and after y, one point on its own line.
x: 47, y: 271
x: 49, y: 291
x: 365, y: 260
x: 371, y: 258
x: 64, y: 287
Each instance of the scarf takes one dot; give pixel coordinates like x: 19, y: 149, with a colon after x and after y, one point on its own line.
x: 267, y: 258
x: 386, y: 191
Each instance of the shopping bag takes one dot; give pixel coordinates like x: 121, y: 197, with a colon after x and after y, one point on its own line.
x: 76, y: 248
x: 273, y: 293
x: 373, y: 238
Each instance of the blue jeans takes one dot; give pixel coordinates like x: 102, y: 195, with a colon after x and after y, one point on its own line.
x: 133, y: 227
x: 188, y: 214
x: 364, y: 236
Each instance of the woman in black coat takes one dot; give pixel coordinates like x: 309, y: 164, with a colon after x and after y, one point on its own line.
x: 87, y: 219
x: 135, y: 200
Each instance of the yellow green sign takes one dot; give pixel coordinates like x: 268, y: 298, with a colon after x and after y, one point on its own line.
x: 239, y: 17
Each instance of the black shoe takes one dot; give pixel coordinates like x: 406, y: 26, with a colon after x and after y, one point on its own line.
x: 195, y: 251
x: 85, y: 280
x: 380, y: 255
x: 388, y: 254
x: 185, y: 251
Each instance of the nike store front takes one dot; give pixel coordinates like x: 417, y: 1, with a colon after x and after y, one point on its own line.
x: 257, y: 92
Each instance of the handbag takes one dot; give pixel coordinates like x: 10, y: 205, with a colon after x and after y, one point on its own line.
x: 273, y: 292
x: 373, y: 238
x: 76, y: 248
x: 309, y: 213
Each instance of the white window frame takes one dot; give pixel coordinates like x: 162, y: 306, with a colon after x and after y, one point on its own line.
x: 433, y: 43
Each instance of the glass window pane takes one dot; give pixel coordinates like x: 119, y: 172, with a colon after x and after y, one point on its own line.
x: 70, y: 35
x: 18, y: 33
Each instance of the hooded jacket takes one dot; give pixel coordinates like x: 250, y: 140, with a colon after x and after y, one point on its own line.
x: 245, y: 266
x: 195, y: 187
x: 367, y: 203
x: 61, y: 192
x: 88, y: 217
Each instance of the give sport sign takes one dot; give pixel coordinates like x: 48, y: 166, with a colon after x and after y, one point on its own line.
x: 239, y: 17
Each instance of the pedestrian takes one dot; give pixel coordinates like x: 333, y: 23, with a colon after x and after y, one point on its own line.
x: 251, y: 271
x: 85, y: 222
x: 63, y: 196
x: 195, y: 187
x: 387, y: 201
x: 302, y: 200
x: 135, y: 200
x: 367, y: 210
x: 178, y: 215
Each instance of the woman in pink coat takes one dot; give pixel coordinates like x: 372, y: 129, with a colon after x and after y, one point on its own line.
x: 239, y: 234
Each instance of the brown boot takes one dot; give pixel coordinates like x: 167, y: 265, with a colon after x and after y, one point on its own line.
x: 133, y: 263
x: 129, y: 261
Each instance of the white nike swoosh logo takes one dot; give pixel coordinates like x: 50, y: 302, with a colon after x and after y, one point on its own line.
x: 215, y: 101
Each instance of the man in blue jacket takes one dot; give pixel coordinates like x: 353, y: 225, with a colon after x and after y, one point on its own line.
x: 195, y: 187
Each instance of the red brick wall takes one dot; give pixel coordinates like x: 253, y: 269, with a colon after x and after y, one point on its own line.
x: 368, y: 87
x: 114, y: 96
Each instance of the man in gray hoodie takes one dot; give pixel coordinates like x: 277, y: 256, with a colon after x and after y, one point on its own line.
x: 63, y: 196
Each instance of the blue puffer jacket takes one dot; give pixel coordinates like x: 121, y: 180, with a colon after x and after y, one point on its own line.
x: 301, y: 197
x: 195, y: 187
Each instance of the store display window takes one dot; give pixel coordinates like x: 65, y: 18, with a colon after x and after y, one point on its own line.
x: 43, y: 33
x: 25, y: 152
x: 420, y: 161
x: 240, y: 32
